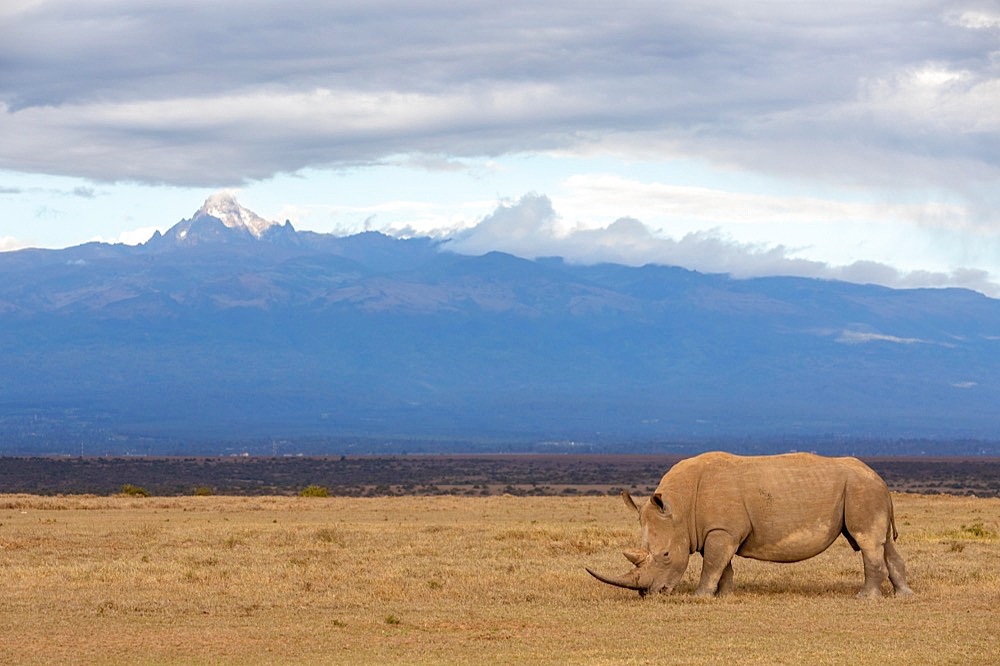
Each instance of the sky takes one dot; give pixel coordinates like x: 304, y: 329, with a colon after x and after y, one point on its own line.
x: 843, y: 140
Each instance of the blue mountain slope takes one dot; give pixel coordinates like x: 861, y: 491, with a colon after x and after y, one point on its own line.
x: 304, y: 335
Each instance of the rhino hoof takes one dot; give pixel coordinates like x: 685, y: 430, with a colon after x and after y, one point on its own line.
x: 874, y: 593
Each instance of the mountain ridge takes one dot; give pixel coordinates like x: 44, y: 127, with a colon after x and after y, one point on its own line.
x: 302, y: 335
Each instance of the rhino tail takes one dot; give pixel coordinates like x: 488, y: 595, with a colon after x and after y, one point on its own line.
x: 892, y: 520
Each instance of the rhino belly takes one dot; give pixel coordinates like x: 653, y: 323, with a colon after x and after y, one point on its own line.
x: 775, y: 539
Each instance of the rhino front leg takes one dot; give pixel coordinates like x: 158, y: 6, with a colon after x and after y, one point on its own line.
x: 717, y: 564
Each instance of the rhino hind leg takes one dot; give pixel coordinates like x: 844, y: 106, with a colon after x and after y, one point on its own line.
x: 882, y: 561
x: 726, y: 581
x: 876, y: 570
x: 850, y: 540
x: 897, y: 570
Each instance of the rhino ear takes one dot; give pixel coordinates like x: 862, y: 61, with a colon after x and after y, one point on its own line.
x: 629, y: 501
x: 661, y: 504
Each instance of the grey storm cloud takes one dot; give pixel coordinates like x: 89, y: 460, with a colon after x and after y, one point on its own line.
x: 221, y: 93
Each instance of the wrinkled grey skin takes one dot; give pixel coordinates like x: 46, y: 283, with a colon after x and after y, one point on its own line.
x: 784, y: 508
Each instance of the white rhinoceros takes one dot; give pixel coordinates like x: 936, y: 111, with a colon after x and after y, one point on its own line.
x: 783, y: 508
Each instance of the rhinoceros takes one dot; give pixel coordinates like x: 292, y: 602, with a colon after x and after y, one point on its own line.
x: 783, y: 508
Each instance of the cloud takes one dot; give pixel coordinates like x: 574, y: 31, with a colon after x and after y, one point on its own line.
x: 8, y: 243
x: 205, y: 140
x: 894, y: 93
x: 531, y: 228
x: 607, y: 192
x: 137, y: 236
x: 877, y: 273
x: 130, y: 237
x: 526, y: 228
x: 860, y: 337
x: 975, y: 19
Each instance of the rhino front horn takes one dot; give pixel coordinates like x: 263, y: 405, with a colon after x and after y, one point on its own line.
x: 617, y: 581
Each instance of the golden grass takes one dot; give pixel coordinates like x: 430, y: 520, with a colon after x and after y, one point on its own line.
x: 458, y: 580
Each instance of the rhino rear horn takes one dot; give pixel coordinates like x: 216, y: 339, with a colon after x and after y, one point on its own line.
x: 636, y: 557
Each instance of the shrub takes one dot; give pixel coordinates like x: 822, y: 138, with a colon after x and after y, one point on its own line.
x: 313, y: 490
x: 134, y: 491
x: 978, y: 530
x: 204, y: 491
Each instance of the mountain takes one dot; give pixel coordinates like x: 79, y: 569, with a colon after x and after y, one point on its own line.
x: 221, y: 219
x: 232, y: 329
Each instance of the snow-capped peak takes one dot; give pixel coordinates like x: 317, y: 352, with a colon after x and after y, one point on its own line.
x: 224, y: 206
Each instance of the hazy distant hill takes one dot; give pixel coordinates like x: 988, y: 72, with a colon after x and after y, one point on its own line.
x: 229, y: 327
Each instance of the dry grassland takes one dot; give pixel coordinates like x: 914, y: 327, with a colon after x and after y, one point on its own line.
x: 458, y: 580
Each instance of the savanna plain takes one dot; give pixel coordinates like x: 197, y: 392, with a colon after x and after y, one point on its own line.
x: 448, y: 579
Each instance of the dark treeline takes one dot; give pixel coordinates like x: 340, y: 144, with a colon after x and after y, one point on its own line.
x: 400, y: 475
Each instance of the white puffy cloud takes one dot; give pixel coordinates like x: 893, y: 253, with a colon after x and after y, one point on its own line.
x: 8, y: 243
x: 137, y: 236
x: 130, y: 236
x: 976, y: 19
x: 531, y: 228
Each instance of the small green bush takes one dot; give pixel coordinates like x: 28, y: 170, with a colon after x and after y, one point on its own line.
x: 134, y: 491
x: 314, y: 491
x: 204, y: 491
x: 978, y: 530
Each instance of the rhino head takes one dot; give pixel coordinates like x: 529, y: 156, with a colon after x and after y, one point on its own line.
x: 661, y: 562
